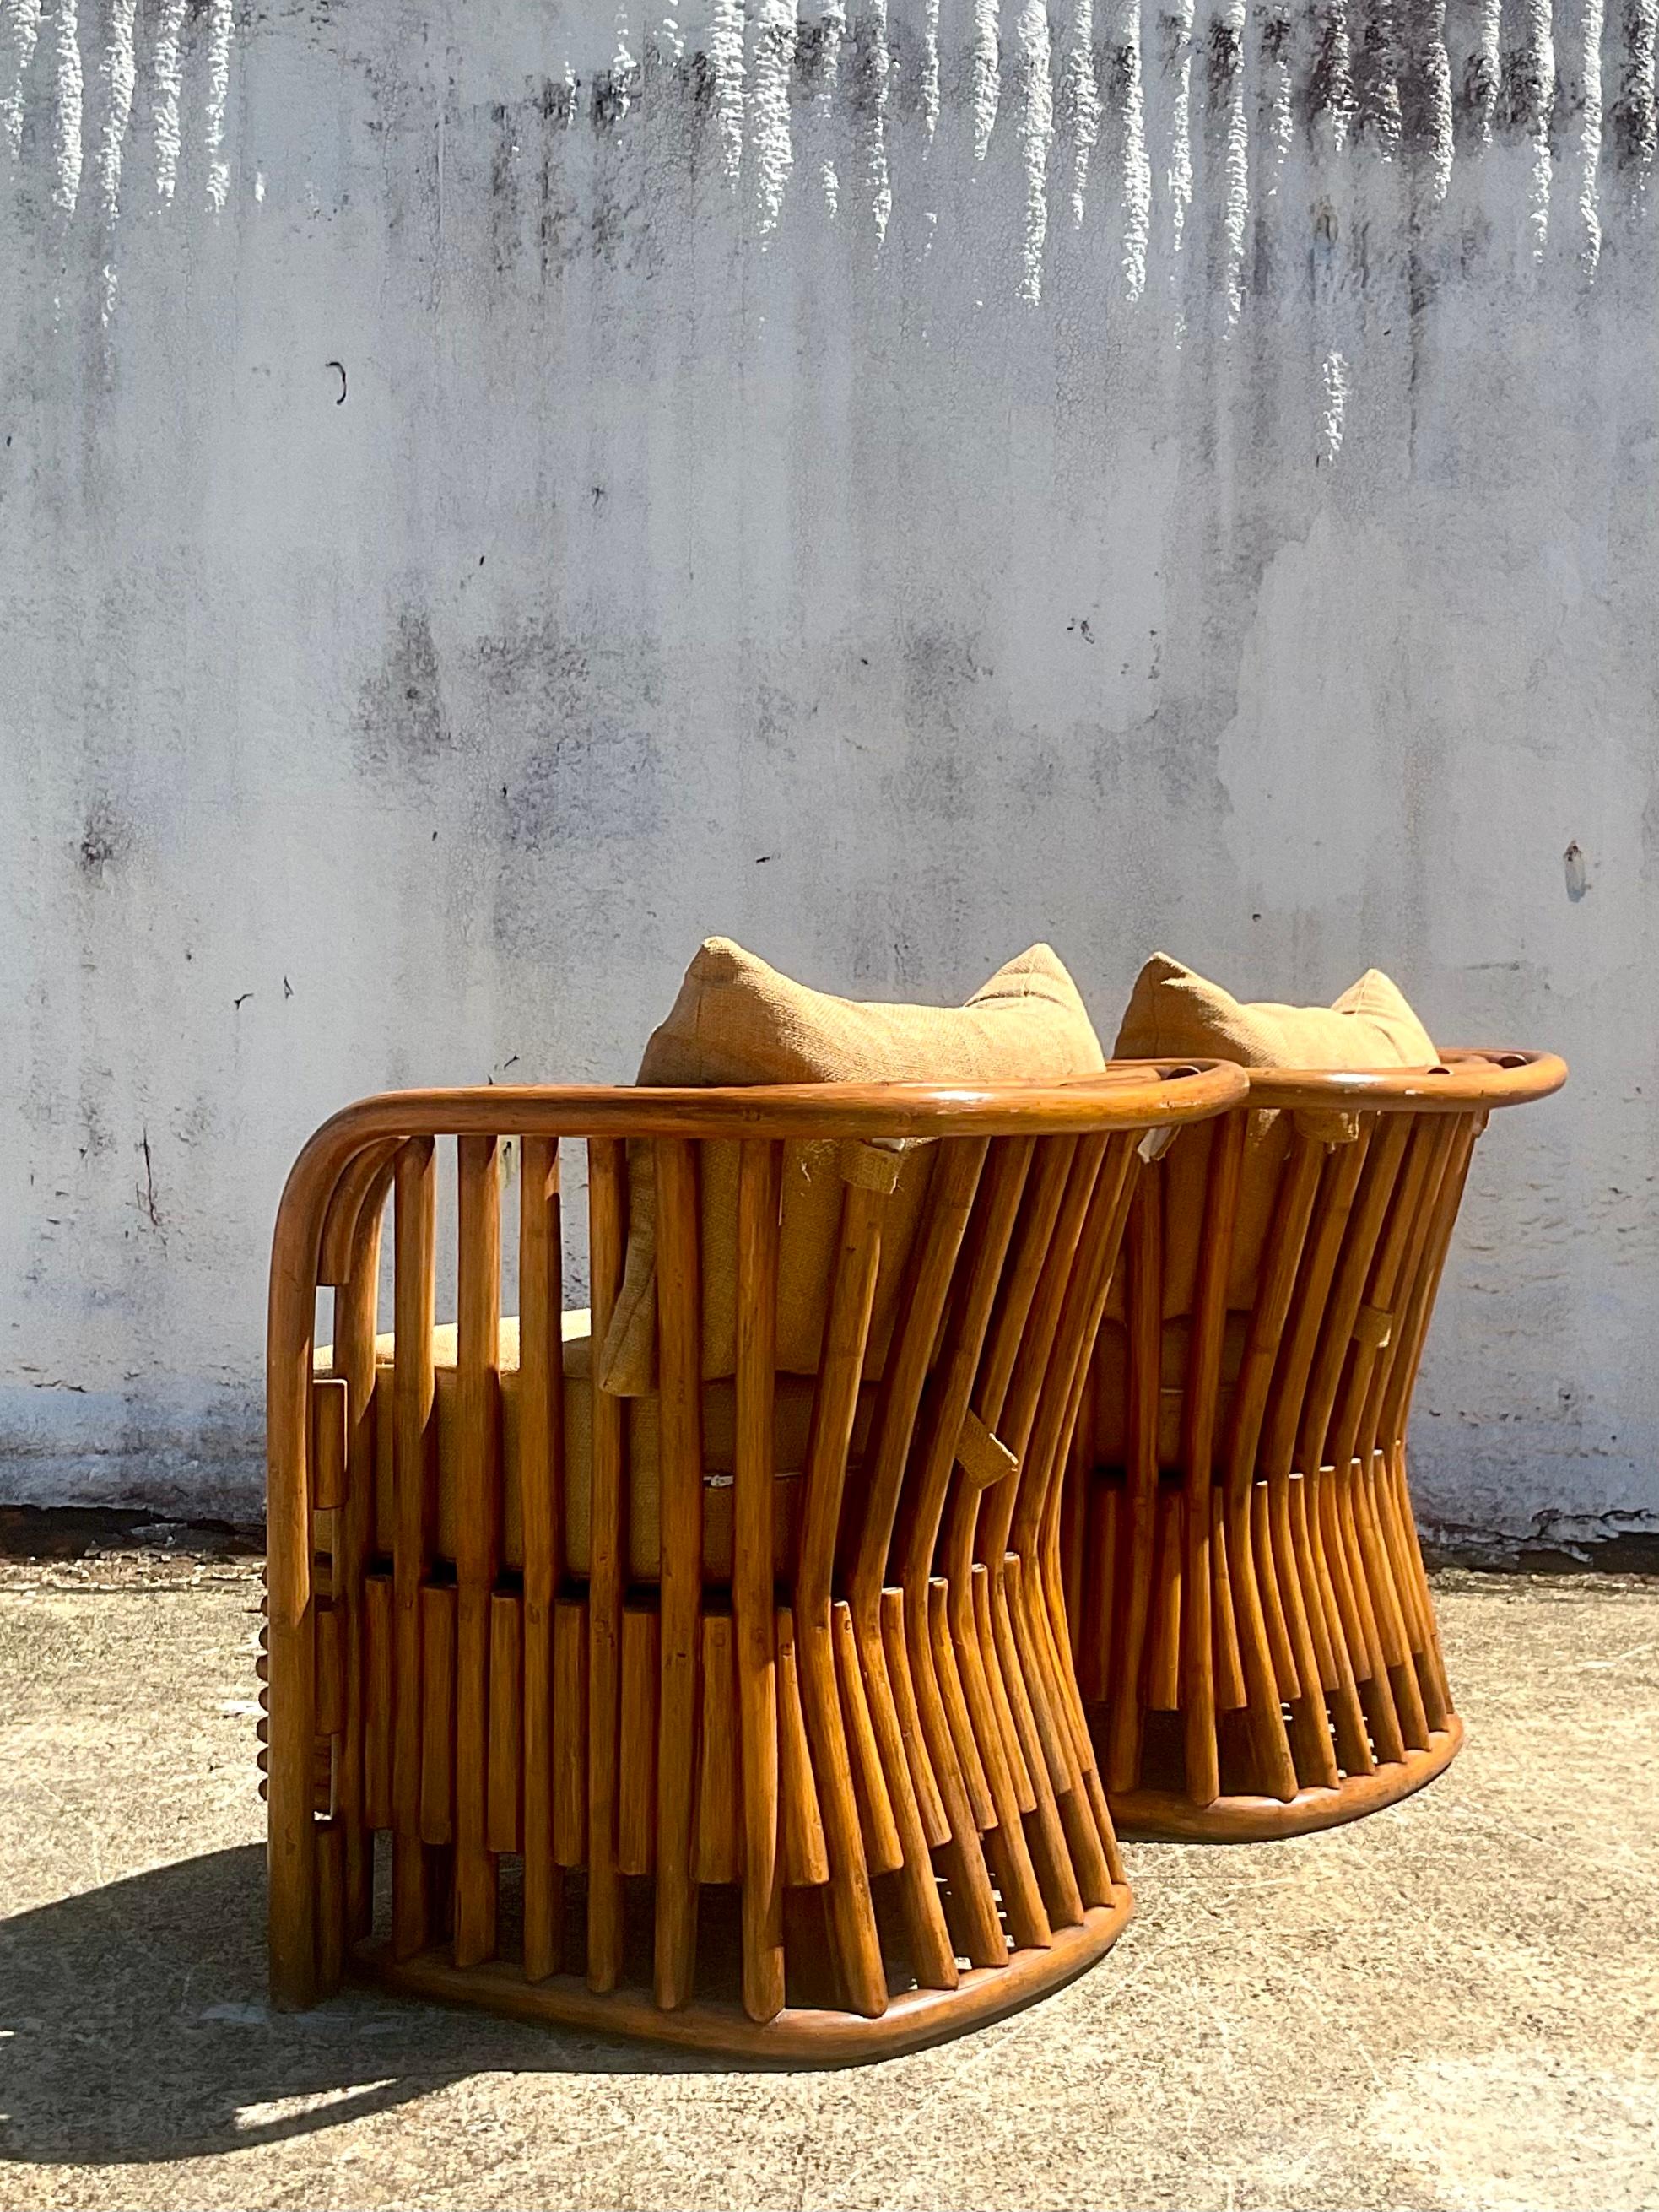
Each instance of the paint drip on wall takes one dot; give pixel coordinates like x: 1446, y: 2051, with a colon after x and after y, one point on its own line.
x: 1196, y: 107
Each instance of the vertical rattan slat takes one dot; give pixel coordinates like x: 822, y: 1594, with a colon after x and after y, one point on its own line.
x: 1038, y: 1369
x: 356, y: 1300
x: 636, y: 1838
x: 1036, y: 1532
x: 1226, y: 1143
x: 924, y: 1598
x: 607, y: 1230
x: 477, y: 1536
x: 541, y: 1491
x: 679, y: 1341
x: 967, y: 1581
x: 852, y: 1298
x: 438, y: 1611
x: 759, y: 1184
x: 416, y: 1875
x: 1145, y: 1299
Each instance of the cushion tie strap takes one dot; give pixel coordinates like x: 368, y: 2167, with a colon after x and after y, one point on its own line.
x: 1373, y: 1327
x: 869, y: 1164
x: 1331, y: 1126
x: 983, y: 1458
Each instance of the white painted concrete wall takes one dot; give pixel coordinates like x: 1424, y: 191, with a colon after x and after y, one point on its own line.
x: 885, y: 487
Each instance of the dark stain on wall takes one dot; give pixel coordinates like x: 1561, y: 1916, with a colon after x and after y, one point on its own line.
x: 1425, y: 77
x: 1524, y: 97
x: 615, y: 91
x: 103, y: 838
x: 504, y: 170
x: 869, y: 69
x: 558, y: 221
x: 1633, y: 127
x: 587, y: 786
x: 701, y: 78
x: 569, y: 728
x: 1474, y: 99
x: 557, y: 101
x: 776, y: 43
x: 1327, y: 91
x: 812, y: 52
x: 938, y: 776
x: 1226, y: 53
x: 1377, y: 76
x: 400, y: 714
x: 1117, y: 67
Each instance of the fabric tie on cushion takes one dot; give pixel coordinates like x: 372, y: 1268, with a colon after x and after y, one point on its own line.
x: 983, y: 1457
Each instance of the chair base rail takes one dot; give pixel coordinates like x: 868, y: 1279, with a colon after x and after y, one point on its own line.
x: 796, y: 2037
x: 1166, y: 1816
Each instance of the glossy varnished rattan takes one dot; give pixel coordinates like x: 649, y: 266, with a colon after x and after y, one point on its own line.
x: 526, y: 1789
x: 1253, y: 1627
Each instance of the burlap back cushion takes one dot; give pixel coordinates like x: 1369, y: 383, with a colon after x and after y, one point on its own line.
x: 1173, y: 1013
x: 739, y: 1021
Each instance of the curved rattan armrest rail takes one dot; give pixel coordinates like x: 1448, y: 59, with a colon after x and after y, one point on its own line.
x: 1465, y: 1079
x: 1122, y: 1096
x: 335, y: 1171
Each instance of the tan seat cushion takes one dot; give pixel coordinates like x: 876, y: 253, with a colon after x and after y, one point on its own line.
x: 1173, y: 1013
x: 739, y: 1021
x: 793, y: 1414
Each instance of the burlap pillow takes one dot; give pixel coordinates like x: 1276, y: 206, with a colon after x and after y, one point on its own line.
x: 1177, y: 1013
x: 739, y: 1021
x: 1172, y: 1012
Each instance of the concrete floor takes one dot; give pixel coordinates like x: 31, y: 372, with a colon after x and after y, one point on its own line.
x: 1454, y: 2005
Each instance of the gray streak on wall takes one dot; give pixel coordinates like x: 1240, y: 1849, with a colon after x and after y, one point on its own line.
x: 491, y: 494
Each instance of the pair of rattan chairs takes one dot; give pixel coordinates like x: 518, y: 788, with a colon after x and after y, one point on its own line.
x: 798, y: 1717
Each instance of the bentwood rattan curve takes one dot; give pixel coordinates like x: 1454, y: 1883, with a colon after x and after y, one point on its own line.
x: 1252, y: 1627
x: 872, y: 1747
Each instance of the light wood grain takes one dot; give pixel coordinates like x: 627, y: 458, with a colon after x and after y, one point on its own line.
x: 414, y: 1441
x: 759, y: 1191
x: 635, y: 1850
x: 607, y: 1232
x: 541, y: 1493
x: 680, y: 1464
x: 478, y: 1535
x: 437, y: 1713
x: 504, y: 1802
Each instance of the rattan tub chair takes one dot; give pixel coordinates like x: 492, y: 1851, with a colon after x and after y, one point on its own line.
x: 1253, y: 1628
x: 741, y: 1714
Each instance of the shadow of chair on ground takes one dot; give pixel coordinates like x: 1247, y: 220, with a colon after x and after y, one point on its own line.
x: 134, y: 2026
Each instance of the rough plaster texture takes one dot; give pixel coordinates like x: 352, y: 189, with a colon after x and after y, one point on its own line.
x: 493, y: 494
x: 1448, y: 2008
